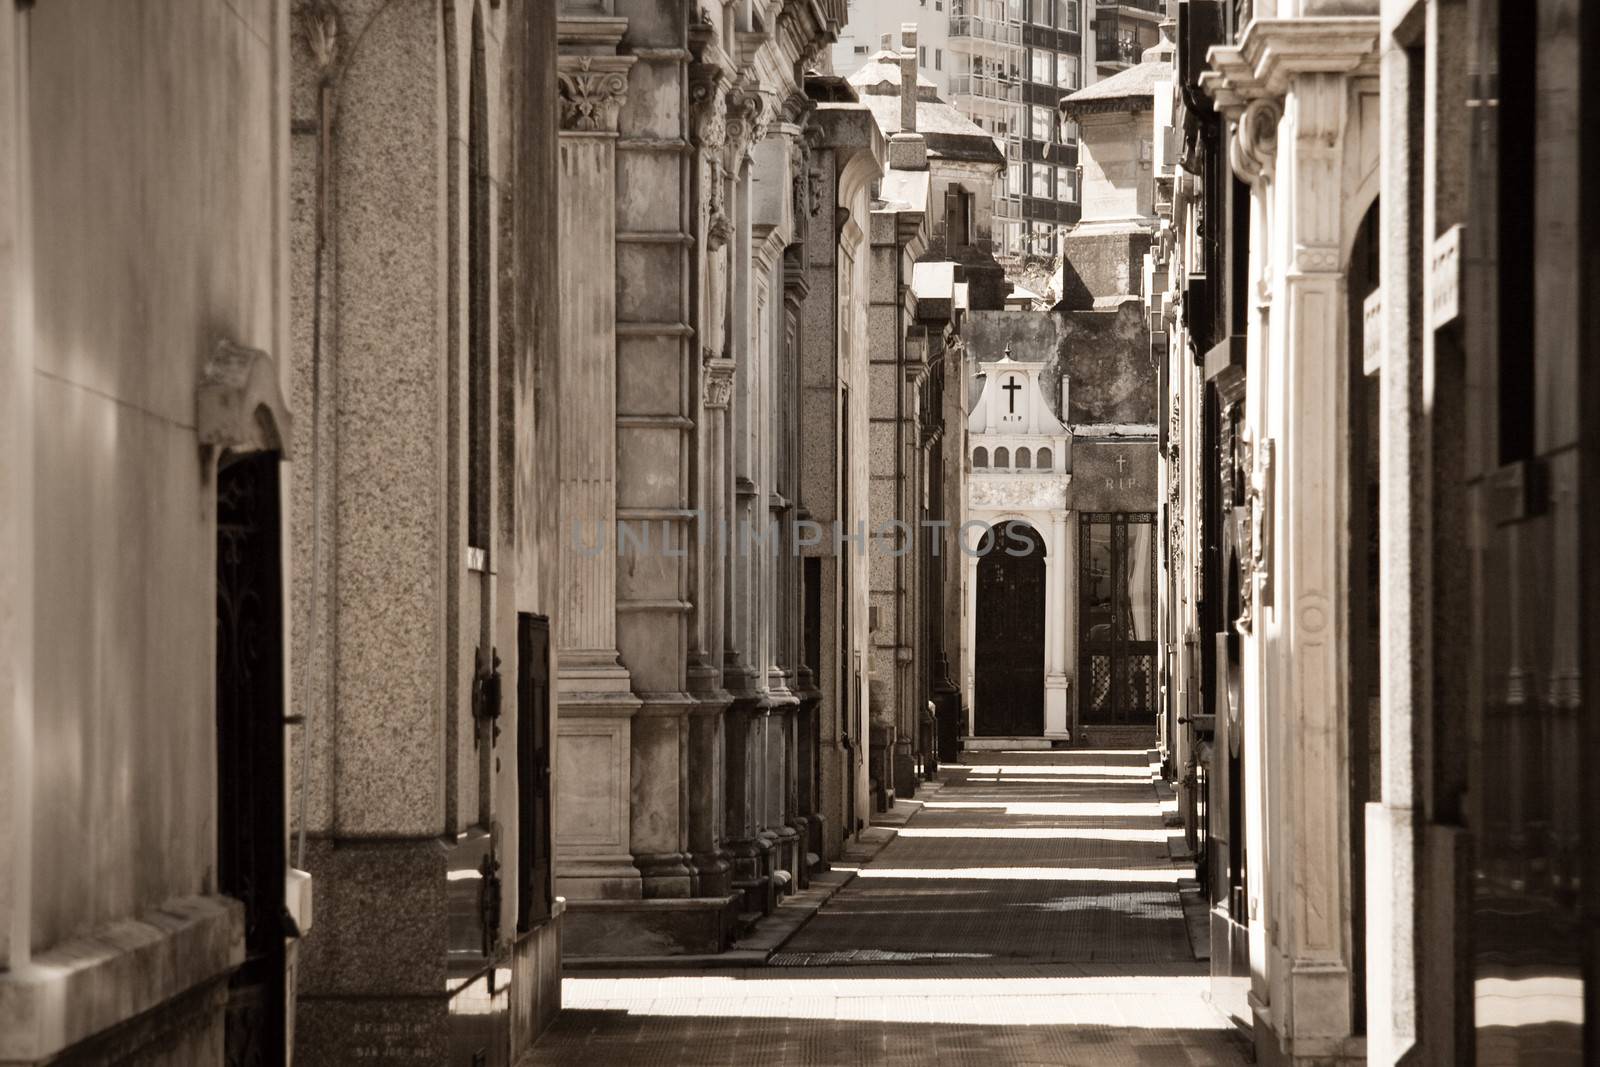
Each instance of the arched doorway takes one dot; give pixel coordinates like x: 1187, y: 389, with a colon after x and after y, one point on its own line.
x: 1009, y: 648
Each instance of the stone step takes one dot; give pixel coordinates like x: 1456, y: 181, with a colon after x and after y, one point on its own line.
x: 1002, y: 744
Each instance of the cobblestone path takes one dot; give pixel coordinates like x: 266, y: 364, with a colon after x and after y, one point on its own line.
x: 1027, y: 913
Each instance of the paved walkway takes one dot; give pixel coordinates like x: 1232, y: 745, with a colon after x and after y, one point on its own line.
x: 1025, y: 914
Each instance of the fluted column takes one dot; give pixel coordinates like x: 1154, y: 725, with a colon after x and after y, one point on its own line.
x: 593, y: 831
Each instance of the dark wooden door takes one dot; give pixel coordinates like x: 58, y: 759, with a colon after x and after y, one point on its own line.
x: 1008, y: 655
x: 251, y: 849
x: 1116, y: 619
x: 533, y: 771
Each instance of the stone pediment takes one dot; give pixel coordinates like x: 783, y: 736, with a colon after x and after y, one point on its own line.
x: 1011, y: 401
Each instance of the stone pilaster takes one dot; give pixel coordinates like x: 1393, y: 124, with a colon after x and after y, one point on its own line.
x: 594, y: 831
x: 1286, y: 88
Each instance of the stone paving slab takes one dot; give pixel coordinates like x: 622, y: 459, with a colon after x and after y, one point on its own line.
x: 1026, y: 913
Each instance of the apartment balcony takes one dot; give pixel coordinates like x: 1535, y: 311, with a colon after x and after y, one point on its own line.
x: 989, y: 95
x: 1121, y: 34
x: 979, y: 36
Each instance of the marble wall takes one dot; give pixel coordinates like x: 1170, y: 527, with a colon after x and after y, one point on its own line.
x: 142, y: 225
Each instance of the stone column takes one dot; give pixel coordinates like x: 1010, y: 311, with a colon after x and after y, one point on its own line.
x: 707, y: 730
x: 1059, y: 585
x: 743, y: 661
x: 773, y: 227
x: 819, y: 480
x: 799, y: 765
x: 655, y: 434
x: 594, y: 827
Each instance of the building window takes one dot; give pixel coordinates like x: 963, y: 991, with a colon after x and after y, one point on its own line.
x: 861, y: 49
x: 1041, y: 181
x: 922, y: 55
x: 957, y: 218
x: 1002, y: 457
x: 980, y: 457
x: 1067, y: 15
x: 1068, y: 178
x: 1043, y: 124
x: 1024, y: 459
x: 1042, y: 69
x: 1068, y: 132
x: 1014, y: 179
x: 1045, y: 459
x: 1067, y: 71
x: 938, y: 59
x: 1039, y: 12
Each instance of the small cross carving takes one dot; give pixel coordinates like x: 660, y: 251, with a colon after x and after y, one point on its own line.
x: 1011, y: 387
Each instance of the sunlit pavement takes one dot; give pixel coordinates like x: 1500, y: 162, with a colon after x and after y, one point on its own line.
x: 1026, y: 914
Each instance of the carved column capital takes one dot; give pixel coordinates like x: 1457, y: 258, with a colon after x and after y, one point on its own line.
x: 593, y: 90
x: 719, y: 382
x: 748, y: 118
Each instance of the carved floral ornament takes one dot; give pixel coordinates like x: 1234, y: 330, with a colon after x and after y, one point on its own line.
x: 1256, y: 528
x: 593, y: 90
x: 749, y: 115
x: 708, y: 105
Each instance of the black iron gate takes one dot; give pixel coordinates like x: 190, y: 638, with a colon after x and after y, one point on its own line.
x: 250, y: 773
x: 1117, y: 618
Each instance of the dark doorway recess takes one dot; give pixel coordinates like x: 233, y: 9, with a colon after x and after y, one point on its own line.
x: 1116, y: 616
x: 1009, y: 651
x: 534, y: 852
x: 251, y: 842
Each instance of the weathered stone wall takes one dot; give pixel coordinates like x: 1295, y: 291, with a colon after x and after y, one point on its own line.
x: 1098, y: 265
x: 1105, y: 356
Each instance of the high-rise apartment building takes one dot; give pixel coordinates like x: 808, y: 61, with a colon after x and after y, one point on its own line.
x: 1004, y: 64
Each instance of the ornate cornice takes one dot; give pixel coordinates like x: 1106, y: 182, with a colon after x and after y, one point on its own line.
x: 1272, y: 51
x: 593, y: 90
x: 1248, y: 81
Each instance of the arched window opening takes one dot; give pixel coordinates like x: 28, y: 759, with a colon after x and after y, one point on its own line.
x: 1002, y: 457
x: 980, y: 457
x: 1046, y: 460
x: 1024, y: 459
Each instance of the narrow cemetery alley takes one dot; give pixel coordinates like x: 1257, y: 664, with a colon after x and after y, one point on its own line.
x: 1027, y: 912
